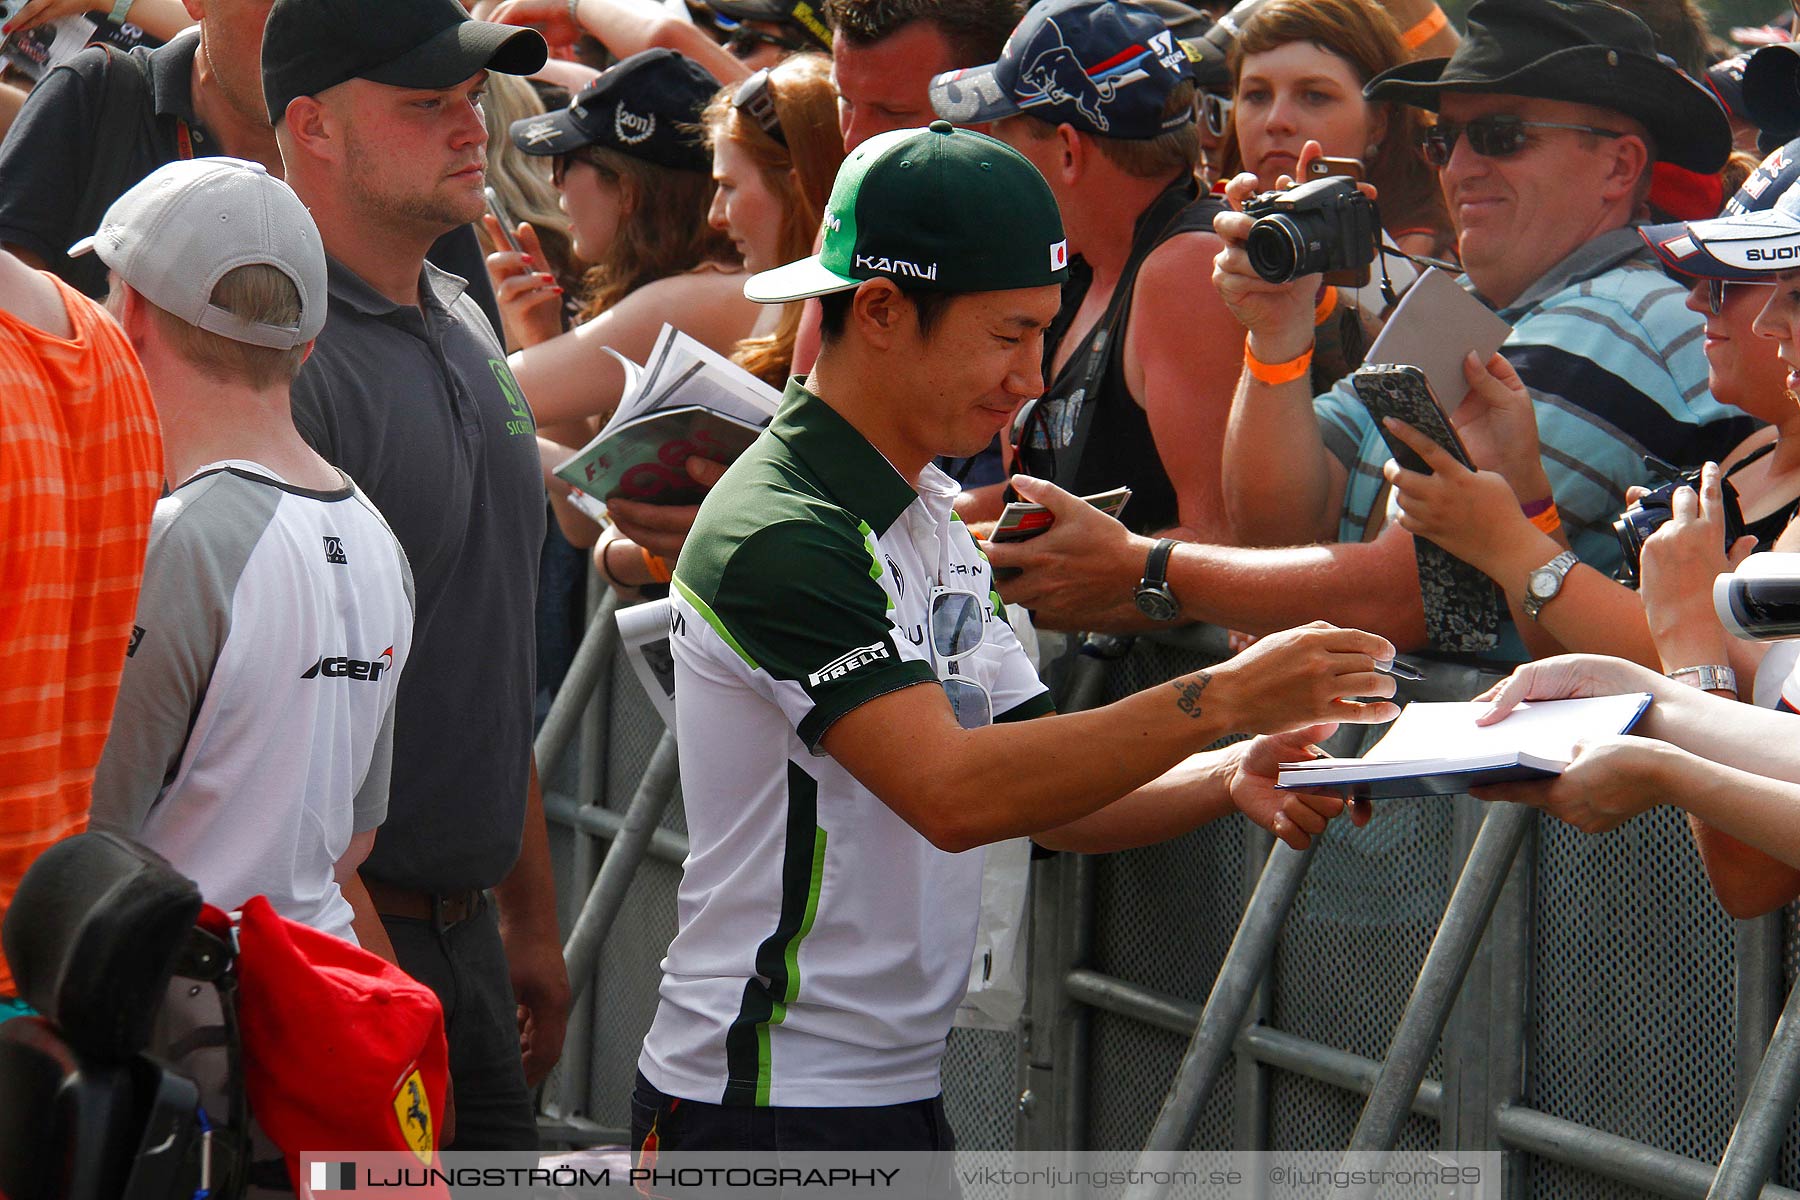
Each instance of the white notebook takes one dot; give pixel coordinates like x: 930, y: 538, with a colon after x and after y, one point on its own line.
x: 1438, y: 750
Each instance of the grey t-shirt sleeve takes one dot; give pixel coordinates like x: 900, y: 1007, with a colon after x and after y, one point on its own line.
x: 183, y: 618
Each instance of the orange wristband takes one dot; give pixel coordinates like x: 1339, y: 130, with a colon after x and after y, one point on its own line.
x: 1326, y: 306
x: 659, y: 570
x: 1549, y: 521
x: 1276, y: 373
x: 1425, y: 29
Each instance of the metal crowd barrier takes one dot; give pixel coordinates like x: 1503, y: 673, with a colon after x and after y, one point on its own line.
x: 1469, y: 1018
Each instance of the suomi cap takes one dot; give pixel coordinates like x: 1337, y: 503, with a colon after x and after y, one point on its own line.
x: 1757, y: 234
x: 938, y: 209
x: 189, y: 223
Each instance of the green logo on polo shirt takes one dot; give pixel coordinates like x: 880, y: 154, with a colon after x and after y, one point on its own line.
x: 521, y: 425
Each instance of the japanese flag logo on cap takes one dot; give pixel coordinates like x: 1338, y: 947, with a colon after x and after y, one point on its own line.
x: 1059, y: 255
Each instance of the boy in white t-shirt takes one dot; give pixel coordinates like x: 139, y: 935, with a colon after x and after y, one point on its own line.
x: 252, y: 741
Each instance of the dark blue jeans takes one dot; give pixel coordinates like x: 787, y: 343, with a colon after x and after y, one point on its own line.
x: 465, y: 964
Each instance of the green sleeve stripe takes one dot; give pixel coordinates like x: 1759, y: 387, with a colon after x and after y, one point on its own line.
x: 712, y: 618
x: 875, y: 571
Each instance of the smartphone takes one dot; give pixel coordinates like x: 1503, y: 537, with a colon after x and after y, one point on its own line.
x: 504, y: 218
x: 1401, y: 391
x: 1325, y: 166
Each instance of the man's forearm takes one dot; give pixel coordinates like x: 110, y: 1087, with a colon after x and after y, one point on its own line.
x: 528, y: 893
x: 1372, y: 586
x: 1278, y: 479
x: 1193, y: 793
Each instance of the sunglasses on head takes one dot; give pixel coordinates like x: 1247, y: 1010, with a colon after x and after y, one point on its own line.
x: 1498, y: 136
x: 755, y: 99
x: 1215, y: 110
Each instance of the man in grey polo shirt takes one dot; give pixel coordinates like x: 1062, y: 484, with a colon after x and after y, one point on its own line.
x: 382, y: 137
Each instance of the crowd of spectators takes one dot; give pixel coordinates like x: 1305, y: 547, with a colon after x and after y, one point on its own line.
x: 436, y: 240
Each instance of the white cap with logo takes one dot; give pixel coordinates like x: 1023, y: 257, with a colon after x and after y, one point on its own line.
x: 188, y: 224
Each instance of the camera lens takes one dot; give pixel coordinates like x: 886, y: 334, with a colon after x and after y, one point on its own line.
x: 1633, y: 526
x: 1763, y: 608
x: 1277, y: 249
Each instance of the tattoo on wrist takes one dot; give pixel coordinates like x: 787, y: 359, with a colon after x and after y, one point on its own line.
x: 1187, y: 692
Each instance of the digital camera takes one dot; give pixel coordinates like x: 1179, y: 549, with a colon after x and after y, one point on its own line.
x: 1326, y: 227
x: 1760, y: 601
x: 1653, y: 510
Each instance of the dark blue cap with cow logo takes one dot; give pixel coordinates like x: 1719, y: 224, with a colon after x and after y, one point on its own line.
x: 647, y: 106
x: 1105, y: 67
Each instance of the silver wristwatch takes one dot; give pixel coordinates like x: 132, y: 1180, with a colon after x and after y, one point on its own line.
x: 1709, y: 677
x: 1542, y: 585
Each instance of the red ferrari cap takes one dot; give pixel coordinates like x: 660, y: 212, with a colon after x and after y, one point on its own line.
x: 343, y: 1051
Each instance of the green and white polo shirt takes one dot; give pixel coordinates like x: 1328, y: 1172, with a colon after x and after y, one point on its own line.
x: 824, y: 944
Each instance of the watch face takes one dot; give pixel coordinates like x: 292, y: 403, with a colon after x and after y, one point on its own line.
x: 1541, y: 583
x: 1157, y: 604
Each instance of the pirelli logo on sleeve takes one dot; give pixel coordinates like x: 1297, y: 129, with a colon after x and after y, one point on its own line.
x: 842, y: 665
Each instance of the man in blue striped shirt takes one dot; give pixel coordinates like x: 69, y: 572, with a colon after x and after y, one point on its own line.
x: 1551, y: 115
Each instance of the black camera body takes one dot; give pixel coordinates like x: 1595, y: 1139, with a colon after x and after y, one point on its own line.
x: 1326, y: 226
x: 1654, y: 509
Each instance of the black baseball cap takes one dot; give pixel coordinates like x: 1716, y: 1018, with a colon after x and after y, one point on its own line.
x: 310, y: 46
x: 797, y: 14
x: 647, y: 106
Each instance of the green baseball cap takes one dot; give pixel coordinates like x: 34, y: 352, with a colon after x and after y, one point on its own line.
x: 938, y: 209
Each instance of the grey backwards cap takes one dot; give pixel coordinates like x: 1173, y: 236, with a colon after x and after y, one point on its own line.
x: 188, y: 224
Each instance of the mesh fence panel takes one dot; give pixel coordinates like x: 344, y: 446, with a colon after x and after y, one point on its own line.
x: 1787, y: 1168
x: 1633, y: 992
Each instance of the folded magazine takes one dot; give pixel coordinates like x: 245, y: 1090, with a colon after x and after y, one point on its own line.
x: 687, y: 400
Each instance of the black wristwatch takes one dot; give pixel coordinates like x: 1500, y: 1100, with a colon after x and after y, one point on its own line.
x: 1154, y: 599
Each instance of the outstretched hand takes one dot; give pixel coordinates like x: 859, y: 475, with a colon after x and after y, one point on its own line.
x: 1306, y: 676
x: 549, y: 17
x: 1078, y: 574
x: 1294, y: 817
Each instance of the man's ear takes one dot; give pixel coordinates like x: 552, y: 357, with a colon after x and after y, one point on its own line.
x: 1631, y: 161
x: 195, y: 9
x: 1072, y: 153
x: 310, y: 127
x: 880, y: 312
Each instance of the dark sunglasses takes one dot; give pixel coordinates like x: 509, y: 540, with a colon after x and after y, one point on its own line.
x: 1215, y: 111
x: 755, y: 99
x: 1716, y: 291
x: 1498, y: 136
x: 559, y: 166
x: 741, y: 40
